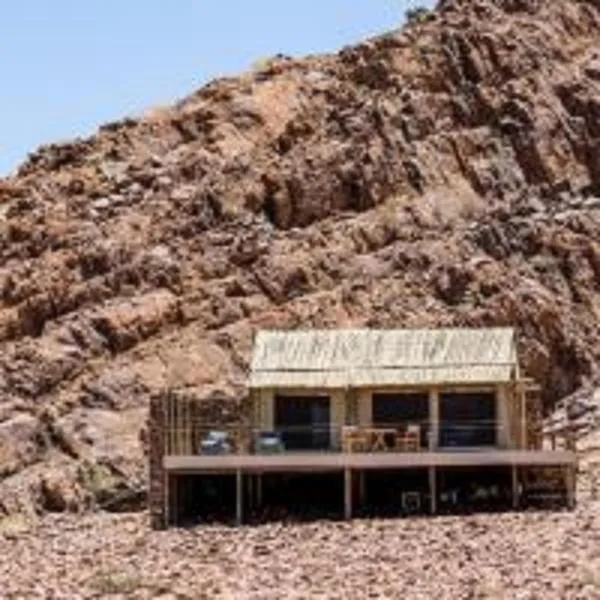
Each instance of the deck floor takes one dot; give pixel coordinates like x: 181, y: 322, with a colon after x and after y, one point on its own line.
x: 330, y: 461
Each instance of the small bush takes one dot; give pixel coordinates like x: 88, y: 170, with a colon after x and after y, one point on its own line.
x: 590, y: 578
x: 98, y: 480
x: 262, y: 64
x: 107, y: 583
x: 14, y: 525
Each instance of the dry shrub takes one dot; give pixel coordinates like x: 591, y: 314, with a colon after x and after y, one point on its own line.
x: 109, y: 583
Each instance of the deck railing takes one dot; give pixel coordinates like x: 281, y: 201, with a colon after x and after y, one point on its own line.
x: 215, y: 439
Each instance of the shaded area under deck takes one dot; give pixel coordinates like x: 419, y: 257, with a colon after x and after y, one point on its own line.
x: 238, y: 488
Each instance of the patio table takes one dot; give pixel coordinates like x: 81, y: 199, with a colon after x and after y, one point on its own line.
x: 377, y: 438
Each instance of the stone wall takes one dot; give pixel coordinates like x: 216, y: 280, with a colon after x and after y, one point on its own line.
x: 157, y: 490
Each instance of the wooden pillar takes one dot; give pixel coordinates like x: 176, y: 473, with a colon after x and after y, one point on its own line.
x: 250, y: 479
x: 515, y: 486
x: 361, y: 488
x: 515, y: 417
x: 175, y: 499
x: 570, y: 440
x: 522, y: 416
x: 503, y: 420
x: 239, y: 497
x: 432, y: 491
x: 259, y: 490
x: 364, y: 401
x: 570, y: 476
x: 167, y: 499
x: 352, y: 417
x: 347, y: 493
x: 434, y: 419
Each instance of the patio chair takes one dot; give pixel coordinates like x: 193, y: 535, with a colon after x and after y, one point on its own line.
x: 215, y: 442
x: 354, y: 439
x: 413, y: 437
x: 409, y: 439
x: 268, y: 442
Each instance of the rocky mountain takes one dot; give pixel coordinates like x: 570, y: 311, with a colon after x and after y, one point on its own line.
x: 445, y: 173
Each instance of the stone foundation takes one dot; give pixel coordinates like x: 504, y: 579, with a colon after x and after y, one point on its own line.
x: 157, y: 477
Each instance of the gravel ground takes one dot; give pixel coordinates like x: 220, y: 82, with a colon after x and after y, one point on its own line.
x: 540, y: 555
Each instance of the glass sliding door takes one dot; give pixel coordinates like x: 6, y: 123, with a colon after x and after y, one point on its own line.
x: 320, y: 423
x: 468, y: 420
x: 399, y: 410
x: 304, y: 422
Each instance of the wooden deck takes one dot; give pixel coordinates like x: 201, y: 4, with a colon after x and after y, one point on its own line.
x: 331, y: 461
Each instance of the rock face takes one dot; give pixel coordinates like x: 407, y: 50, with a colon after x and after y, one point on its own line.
x: 445, y: 174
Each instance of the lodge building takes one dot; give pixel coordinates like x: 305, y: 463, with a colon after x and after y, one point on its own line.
x: 418, y: 420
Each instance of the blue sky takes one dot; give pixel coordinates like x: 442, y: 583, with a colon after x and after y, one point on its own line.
x: 69, y: 65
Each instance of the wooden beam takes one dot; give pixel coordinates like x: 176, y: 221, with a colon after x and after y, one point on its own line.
x: 523, y: 417
x: 167, y: 498
x: 347, y: 493
x: 432, y: 491
x: 259, y: 490
x: 175, y: 485
x: 361, y: 488
x: 570, y: 439
x: 250, y: 480
x: 529, y: 384
x: 434, y: 418
x: 570, y: 476
x: 515, y: 487
x: 239, y: 497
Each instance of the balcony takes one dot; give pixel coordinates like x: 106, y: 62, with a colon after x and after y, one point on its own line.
x: 417, y: 457
x: 205, y: 440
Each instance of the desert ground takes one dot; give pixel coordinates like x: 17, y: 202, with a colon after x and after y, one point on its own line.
x: 526, y: 555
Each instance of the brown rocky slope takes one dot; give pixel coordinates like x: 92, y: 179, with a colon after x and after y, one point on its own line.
x: 448, y: 173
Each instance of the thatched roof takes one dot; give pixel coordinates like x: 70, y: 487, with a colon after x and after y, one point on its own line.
x: 364, y: 357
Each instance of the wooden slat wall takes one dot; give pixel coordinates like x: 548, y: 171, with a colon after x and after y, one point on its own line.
x: 180, y: 426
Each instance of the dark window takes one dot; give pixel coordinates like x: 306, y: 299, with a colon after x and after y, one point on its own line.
x: 467, y: 419
x: 303, y: 421
x: 399, y: 410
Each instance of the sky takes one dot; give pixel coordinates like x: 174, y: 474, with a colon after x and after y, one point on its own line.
x: 67, y: 66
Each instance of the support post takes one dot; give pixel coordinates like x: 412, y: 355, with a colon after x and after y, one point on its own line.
x: 570, y: 481
x: 434, y: 419
x: 347, y: 493
x: 432, y: 491
x: 361, y: 488
x: 167, y: 499
x: 515, y: 487
x: 175, y: 510
x: 523, y: 416
x: 250, y: 492
x: 239, y: 497
x: 259, y: 490
x: 571, y: 444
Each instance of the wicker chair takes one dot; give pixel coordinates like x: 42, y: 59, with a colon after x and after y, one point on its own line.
x: 413, y: 438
